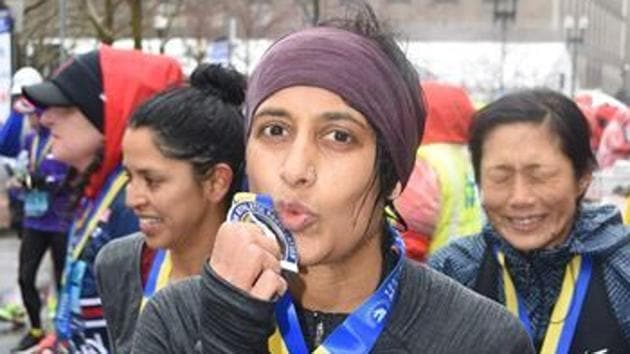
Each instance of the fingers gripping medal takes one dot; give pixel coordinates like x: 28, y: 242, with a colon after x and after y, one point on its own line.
x: 258, y: 209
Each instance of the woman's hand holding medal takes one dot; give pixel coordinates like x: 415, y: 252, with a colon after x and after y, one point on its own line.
x: 249, y: 260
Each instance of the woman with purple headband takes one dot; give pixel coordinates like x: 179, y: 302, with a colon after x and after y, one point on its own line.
x: 332, y: 125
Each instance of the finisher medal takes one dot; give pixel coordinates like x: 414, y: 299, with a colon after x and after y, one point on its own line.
x: 258, y: 209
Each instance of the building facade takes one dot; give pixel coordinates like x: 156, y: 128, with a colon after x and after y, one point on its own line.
x: 594, y: 33
x: 596, y: 38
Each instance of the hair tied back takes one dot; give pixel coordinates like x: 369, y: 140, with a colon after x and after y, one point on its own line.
x: 224, y: 82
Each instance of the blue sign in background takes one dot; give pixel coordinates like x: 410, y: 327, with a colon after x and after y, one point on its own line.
x: 6, y: 22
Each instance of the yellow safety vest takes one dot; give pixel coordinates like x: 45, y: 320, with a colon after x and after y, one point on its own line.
x: 460, y: 209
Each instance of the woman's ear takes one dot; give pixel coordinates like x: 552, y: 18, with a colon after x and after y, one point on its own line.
x: 584, y: 182
x: 396, y: 192
x: 217, y: 183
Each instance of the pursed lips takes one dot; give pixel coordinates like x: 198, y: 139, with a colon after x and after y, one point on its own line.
x: 294, y: 215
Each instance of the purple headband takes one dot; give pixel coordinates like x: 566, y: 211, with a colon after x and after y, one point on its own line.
x: 354, y: 68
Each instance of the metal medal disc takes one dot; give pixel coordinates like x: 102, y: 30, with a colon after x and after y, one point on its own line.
x: 247, y: 208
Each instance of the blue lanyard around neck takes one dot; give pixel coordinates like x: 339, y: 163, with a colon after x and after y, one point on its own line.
x: 360, y: 330
x: 566, y: 312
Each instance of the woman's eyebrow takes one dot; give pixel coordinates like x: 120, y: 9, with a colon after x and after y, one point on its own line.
x: 343, y: 116
x: 271, y: 111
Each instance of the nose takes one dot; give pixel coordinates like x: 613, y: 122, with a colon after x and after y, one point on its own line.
x: 135, y: 196
x: 299, y: 166
x: 522, y: 192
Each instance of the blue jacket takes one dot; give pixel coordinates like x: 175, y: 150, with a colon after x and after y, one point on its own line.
x: 121, y: 222
x: 11, y: 134
x: 597, y: 231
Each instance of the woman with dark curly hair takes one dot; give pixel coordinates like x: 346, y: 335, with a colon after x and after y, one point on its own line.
x: 333, y: 120
x: 183, y: 152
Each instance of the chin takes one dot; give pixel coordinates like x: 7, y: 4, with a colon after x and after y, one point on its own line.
x: 308, y: 256
x: 154, y: 242
x: 526, y: 243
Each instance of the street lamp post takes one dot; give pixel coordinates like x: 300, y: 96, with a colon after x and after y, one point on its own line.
x: 62, y: 30
x: 575, y: 37
x: 160, y: 22
x: 504, y: 11
x: 623, y: 91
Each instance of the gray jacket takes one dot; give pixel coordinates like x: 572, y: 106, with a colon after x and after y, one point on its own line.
x: 432, y: 314
x: 120, y: 286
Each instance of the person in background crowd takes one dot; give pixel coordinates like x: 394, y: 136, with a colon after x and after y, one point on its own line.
x: 40, y: 180
x: 589, y: 114
x: 542, y: 247
x: 615, y: 140
x: 87, y: 104
x: 329, y: 153
x: 604, y: 114
x: 12, y: 136
x: 45, y: 191
x: 182, y: 148
x: 14, y: 128
x: 440, y: 201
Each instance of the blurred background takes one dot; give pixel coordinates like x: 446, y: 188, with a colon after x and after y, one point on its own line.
x: 487, y: 46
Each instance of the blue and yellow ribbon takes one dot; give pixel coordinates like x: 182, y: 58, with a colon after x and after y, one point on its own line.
x: 566, y: 312
x: 360, y: 330
x: 83, y: 227
x: 81, y: 232
x: 159, y: 275
x: 36, y: 154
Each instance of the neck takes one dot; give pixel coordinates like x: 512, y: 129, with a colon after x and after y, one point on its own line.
x: 189, y: 255
x: 342, y: 286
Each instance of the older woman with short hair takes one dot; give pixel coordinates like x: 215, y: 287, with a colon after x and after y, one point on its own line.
x: 558, y: 264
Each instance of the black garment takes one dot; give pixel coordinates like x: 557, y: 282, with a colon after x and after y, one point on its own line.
x: 16, y: 215
x: 28, y: 343
x: 596, y: 310
x: 32, y: 249
x: 318, y: 325
x: 431, y: 314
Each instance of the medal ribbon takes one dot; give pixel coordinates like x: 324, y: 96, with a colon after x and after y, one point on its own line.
x: 36, y: 155
x: 83, y: 227
x: 158, y: 275
x: 566, y: 311
x: 81, y: 232
x: 360, y: 330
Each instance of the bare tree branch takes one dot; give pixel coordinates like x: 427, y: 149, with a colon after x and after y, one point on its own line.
x: 108, y: 19
x: 135, y: 7
x: 104, y: 34
x: 169, y: 24
x: 34, y: 6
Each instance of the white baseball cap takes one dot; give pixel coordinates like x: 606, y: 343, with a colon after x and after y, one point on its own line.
x: 24, y: 77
